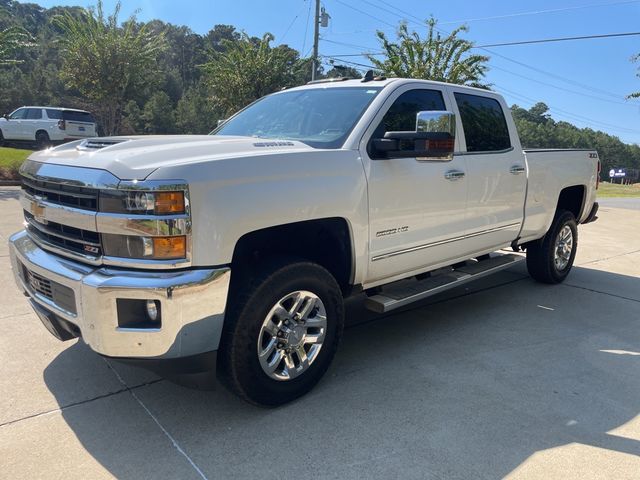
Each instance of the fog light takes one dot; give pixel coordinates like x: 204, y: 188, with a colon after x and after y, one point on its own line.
x: 152, y: 310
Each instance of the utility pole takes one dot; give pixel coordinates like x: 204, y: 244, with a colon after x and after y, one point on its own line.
x: 316, y: 36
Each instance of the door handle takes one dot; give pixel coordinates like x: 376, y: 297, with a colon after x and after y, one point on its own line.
x: 517, y: 170
x: 454, y: 175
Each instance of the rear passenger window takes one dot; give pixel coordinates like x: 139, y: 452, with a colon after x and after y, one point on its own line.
x: 34, y: 114
x: 484, y: 124
x: 401, y: 116
x: 54, y: 114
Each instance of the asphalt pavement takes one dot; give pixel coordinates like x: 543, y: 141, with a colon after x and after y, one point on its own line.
x: 501, y: 378
x: 628, y: 203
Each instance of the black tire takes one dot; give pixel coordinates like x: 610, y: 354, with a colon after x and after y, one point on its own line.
x: 541, y: 253
x: 1, y: 139
x: 42, y: 140
x: 238, y: 365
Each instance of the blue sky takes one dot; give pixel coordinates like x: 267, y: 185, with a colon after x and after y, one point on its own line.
x: 583, y: 82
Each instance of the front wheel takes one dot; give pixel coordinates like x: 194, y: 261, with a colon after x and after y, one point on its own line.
x: 549, y: 260
x: 281, y: 333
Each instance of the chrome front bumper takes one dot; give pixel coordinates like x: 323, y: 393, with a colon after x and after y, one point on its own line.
x: 192, y: 302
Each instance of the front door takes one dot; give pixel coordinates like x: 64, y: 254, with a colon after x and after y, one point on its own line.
x: 416, y: 208
x: 13, y: 128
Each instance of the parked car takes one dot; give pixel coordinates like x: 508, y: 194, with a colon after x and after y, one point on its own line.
x: 45, y: 126
x: 235, y: 251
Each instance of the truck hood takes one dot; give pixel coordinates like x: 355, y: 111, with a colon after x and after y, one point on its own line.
x: 136, y: 157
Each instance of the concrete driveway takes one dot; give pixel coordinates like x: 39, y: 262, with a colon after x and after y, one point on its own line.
x: 504, y: 378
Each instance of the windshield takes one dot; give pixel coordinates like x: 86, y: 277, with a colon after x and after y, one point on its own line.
x: 319, y: 117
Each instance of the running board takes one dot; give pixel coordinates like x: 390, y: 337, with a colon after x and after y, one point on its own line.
x: 404, y: 292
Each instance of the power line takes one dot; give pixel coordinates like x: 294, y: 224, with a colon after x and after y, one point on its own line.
x: 291, y: 24
x: 568, y: 114
x: 561, y: 39
x: 306, y: 28
x: 370, y: 67
x: 483, y: 47
x: 365, y: 13
x: 345, y: 44
x: 539, y: 12
x: 561, y: 88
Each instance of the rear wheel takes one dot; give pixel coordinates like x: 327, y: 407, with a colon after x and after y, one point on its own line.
x: 42, y: 140
x: 281, y: 335
x: 549, y: 260
x: 1, y: 139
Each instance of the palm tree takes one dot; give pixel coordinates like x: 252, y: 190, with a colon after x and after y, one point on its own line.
x: 248, y: 68
x: 445, y: 59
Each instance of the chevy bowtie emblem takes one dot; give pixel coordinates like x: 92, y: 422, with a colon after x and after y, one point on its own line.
x: 37, y: 210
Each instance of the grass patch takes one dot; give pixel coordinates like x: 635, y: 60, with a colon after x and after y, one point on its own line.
x: 10, y: 161
x: 616, y: 190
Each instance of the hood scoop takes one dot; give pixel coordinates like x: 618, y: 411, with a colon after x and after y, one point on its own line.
x: 92, y: 144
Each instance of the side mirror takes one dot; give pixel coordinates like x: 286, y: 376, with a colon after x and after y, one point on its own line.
x: 434, y: 138
x: 6, y: 116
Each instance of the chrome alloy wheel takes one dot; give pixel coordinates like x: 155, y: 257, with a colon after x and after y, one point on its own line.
x: 292, y: 335
x: 564, y: 247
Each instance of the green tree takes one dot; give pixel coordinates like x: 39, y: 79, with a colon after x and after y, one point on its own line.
x: 195, y: 112
x: 445, y: 59
x: 248, y: 68
x: 106, y: 62
x: 157, y: 115
x: 342, y: 71
x: 11, y: 40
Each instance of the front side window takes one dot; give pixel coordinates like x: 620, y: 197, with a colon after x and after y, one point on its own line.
x: 401, y: 116
x: 484, y: 124
x: 319, y: 117
x: 18, y: 114
x: 34, y: 114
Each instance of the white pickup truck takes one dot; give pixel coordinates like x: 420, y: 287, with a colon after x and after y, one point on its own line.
x: 235, y: 250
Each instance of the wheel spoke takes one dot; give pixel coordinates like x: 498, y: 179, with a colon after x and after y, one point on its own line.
x: 302, y: 356
x: 306, y: 310
x: 317, y: 321
x: 268, y: 350
x: 296, y: 303
x: 313, y: 338
x: 281, y: 312
x: 271, y: 366
x: 271, y: 328
x: 291, y: 370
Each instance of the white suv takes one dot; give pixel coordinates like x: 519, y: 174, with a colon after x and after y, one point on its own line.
x: 46, y: 125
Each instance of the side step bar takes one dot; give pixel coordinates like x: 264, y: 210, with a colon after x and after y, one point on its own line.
x: 404, y: 292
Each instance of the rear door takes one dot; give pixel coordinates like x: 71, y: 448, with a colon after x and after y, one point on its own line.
x: 496, y: 170
x: 79, y: 124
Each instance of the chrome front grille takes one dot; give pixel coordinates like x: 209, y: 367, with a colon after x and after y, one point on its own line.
x: 62, y: 194
x: 80, y: 241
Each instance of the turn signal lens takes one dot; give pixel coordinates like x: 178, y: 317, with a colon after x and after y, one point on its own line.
x: 169, y: 247
x: 169, y: 203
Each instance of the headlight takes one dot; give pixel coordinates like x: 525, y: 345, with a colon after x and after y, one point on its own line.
x: 142, y: 202
x: 151, y: 248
